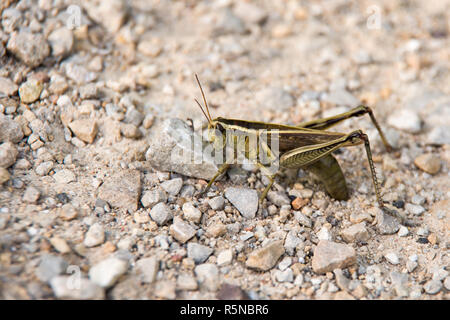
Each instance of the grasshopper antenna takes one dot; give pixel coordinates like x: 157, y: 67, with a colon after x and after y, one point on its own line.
x: 202, y: 110
x: 204, y: 99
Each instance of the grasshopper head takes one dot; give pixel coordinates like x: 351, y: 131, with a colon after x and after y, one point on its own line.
x: 216, y: 132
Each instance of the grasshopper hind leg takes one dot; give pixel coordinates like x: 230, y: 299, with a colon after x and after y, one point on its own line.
x: 222, y: 169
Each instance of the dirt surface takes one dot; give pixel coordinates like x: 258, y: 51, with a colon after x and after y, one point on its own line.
x: 86, y: 88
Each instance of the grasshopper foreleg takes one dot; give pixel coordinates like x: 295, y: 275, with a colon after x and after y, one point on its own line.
x: 223, y: 168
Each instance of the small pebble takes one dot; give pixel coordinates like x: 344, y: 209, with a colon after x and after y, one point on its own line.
x: 392, y: 258
x: 245, y: 200
x: 30, y: 91
x: 225, y: 257
x: 191, y: 213
x: 199, y: 253
x: 31, y: 195
x: 180, y: 230
x: 217, y: 203
x: 94, y: 236
x: 107, y: 272
x: 208, y: 276
x: 161, y: 214
x: 429, y: 163
x: 432, y: 286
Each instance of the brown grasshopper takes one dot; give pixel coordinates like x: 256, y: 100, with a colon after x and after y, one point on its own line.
x: 308, y: 146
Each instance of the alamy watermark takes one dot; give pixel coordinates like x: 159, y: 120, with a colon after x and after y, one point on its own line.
x: 232, y: 146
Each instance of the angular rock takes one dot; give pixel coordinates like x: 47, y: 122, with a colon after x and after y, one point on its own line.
x: 356, y: 232
x: 171, y: 150
x: 31, y: 48
x: 60, y: 245
x: 265, y: 258
x: 199, y: 253
x: 386, y: 224
x: 217, y: 203
x: 278, y: 198
x: 68, y: 287
x: 392, y: 258
x: 64, y: 176
x: 208, y: 276
x: 225, y: 257
x: 165, y: 289
x: 172, y: 186
x: 303, y: 219
x: 161, y: 214
x: 30, y: 91
x: 7, y: 87
x: 245, y: 200
x: 8, y: 154
x: 110, y: 14
x: 31, y: 195
x: 191, y: 213
x: 186, y: 282
x: 331, y: 255
x: 405, y: 120
x: 122, y: 189
x: 432, y: 286
x: 428, y: 163
x: 148, y: 268
x: 152, y: 197
x: 61, y: 41
x: 84, y: 129
x: 50, y: 267
x: 181, y: 230
x: 94, y: 236
x: 10, y: 130
x: 44, y: 168
x: 107, y: 272
x: 4, y: 175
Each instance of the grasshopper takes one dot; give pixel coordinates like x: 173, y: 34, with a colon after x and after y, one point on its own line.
x: 308, y: 146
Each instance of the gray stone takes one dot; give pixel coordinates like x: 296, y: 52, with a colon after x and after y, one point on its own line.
x: 245, y: 200
x: 414, y: 209
x: 208, y: 276
x: 237, y: 175
x: 181, y: 230
x: 64, y: 176
x: 110, y: 14
x: 392, y: 258
x: 107, y: 272
x: 199, y: 253
x: 44, y: 168
x: 165, y: 289
x: 275, y: 99
x: 278, y: 198
x: 438, y: 135
x: 152, y: 197
x: 341, y: 97
x: 217, y: 203
x: 170, y: 150
x: 31, y: 195
x: 94, y: 236
x: 386, y: 224
x: 8, y: 154
x: 61, y: 41
x: 161, y: 214
x: 284, y: 276
x: 432, y: 286
x: 78, y: 73
x: 10, y: 130
x: 291, y: 242
x: 228, y: 23
x: 172, y: 186
x: 225, y: 257
x: 356, y: 232
x: 127, y: 184
x: 148, y: 268
x: 303, y: 219
x: 186, y: 282
x: 400, y: 282
x: 191, y: 213
x: 330, y: 255
x: 8, y: 88
x: 405, y: 120
x: 50, y: 267
x: 68, y: 287
x: 266, y: 257
x: 30, y: 48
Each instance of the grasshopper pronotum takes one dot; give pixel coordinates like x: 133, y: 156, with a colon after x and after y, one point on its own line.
x: 307, y: 145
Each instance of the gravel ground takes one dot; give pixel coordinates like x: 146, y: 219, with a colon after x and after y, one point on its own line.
x: 96, y: 95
